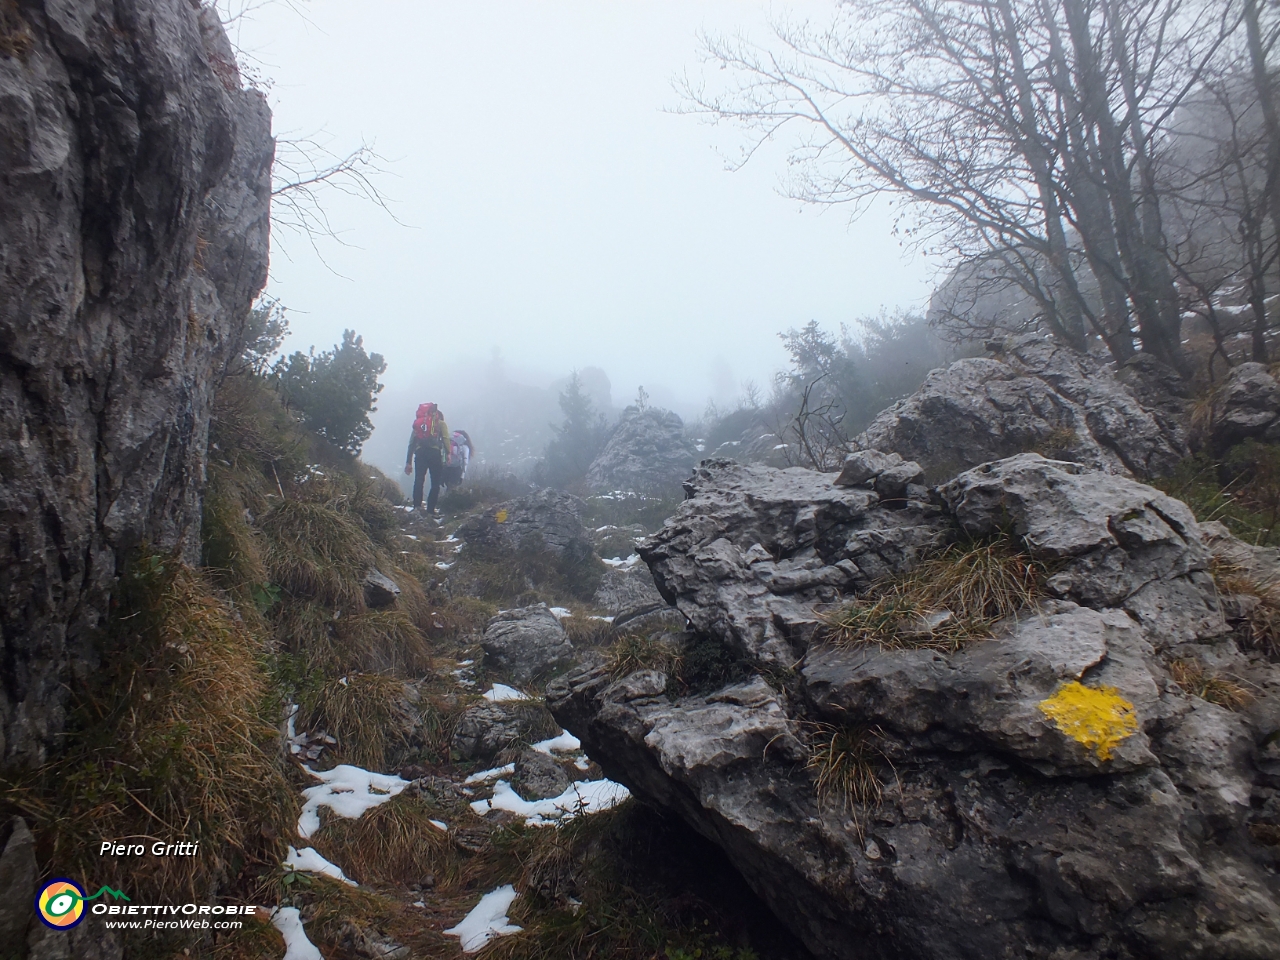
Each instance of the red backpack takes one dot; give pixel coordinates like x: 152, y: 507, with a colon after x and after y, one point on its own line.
x: 426, y: 420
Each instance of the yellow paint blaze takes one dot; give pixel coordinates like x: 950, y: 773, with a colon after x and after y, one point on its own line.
x: 1098, y: 717
x: 500, y: 516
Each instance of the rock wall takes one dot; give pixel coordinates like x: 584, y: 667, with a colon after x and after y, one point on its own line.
x: 1052, y: 792
x: 134, y: 218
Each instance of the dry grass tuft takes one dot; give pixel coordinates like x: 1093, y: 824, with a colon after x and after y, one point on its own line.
x: 317, y: 552
x: 585, y: 631
x: 171, y: 741
x: 1261, y: 626
x: 380, y: 641
x: 15, y: 34
x: 632, y: 652
x: 944, y: 601
x: 1194, y: 679
x: 369, y: 714
x: 394, y: 842
x: 843, y: 762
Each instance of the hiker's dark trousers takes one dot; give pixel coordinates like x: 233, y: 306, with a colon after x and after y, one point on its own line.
x: 424, y: 462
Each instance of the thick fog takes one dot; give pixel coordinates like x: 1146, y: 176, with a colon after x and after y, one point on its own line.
x: 555, y: 210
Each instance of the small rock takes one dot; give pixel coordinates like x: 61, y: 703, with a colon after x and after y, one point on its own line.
x: 485, y: 729
x: 380, y: 590
x: 863, y: 466
x: 538, y: 776
x: 893, y: 483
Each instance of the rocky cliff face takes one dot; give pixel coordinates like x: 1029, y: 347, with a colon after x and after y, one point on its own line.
x: 1057, y: 789
x: 134, y: 216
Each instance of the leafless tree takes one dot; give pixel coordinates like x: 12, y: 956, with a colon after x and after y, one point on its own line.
x: 815, y: 437
x: 1020, y: 138
x: 307, y: 170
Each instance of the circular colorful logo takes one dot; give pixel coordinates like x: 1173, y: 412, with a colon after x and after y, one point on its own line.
x: 60, y: 903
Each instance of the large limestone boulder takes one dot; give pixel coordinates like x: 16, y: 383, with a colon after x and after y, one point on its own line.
x: 1035, y: 396
x: 647, y: 452
x: 1050, y: 791
x: 134, y: 214
x: 549, y: 520
x: 526, y: 644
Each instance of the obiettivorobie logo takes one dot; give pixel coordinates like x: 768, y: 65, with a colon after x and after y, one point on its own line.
x: 60, y: 902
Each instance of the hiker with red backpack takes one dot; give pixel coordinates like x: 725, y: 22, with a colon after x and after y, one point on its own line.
x: 429, y: 445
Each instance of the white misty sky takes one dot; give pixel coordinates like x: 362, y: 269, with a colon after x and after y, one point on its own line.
x: 556, y: 210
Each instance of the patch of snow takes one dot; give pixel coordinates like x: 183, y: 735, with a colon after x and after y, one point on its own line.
x: 411, y: 536
x: 296, y: 944
x: 439, y: 825
x: 701, y: 447
x: 308, y: 859
x: 602, y: 619
x: 441, y: 565
x: 465, y: 663
x: 561, y: 612
x: 487, y: 919
x: 626, y: 564
x: 419, y: 903
x: 607, y: 526
x: 583, y: 796
x: 582, y: 764
x: 493, y: 774
x: 347, y: 791
x: 344, y: 681
x: 501, y: 693
x: 565, y: 743
x: 781, y: 446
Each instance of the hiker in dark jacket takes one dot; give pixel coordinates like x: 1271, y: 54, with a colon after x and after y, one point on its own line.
x: 428, y: 453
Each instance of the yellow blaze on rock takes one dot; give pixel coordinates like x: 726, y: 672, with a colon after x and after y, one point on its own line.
x: 500, y: 516
x: 1098, y: 717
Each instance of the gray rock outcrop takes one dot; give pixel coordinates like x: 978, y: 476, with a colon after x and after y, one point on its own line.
x: 1051, y: 791
x: 647, y: 452
x: 548, y: 519
x: 1246, y: 407
x: 486, y: 728
x: 134, y: 209
x: 538, y: 776
x: 1033, y: 396
x: 753, y: 549
x: 526, y: 644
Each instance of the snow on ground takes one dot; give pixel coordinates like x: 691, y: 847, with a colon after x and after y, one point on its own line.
x: 346, y: 790
x: 488, y: 919
x: 566, y: 742
x: 296, y: 944
x: 582, y: 797
x: 501, y: 693
x: 626, y: 564
x: 439, y: 825
x: 493, y: 774
x: 308, y: 859
x: 441, y: 565
x: 602, y: 619
x: 561, y: 612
